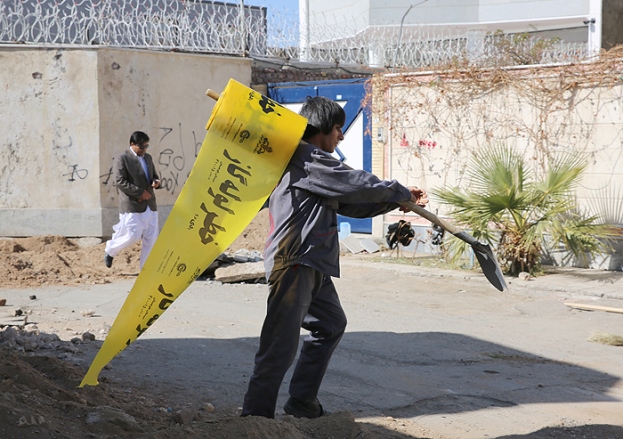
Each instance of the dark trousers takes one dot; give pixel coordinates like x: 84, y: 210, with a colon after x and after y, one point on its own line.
x: 300, y: 296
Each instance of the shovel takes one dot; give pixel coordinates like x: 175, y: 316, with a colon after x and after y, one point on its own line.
x: 483, y: 252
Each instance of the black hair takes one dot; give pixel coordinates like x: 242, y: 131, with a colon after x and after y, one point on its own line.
x: 322, y: 115
x: 138, y: 138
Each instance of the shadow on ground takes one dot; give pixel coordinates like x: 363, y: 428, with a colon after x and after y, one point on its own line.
x: 597, y: 431
x: 400, y: 375
x: 162, y: 388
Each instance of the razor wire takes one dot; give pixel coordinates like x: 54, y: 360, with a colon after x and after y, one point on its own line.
x: 242, y: 30
x: 195, y: 26
x: 343, y: 40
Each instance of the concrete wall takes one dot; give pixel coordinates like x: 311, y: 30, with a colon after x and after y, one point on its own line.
x: 337, y: 19
x: 589, y: 120
x: 64, y: 114
x: 49, y: 150
x: 435, y: 130
x: 501, y: 10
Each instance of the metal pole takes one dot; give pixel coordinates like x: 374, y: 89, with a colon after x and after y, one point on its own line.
x: 304, y: 36
x: 595, y: 11
x: 400, y: 33
x: 243, y: 37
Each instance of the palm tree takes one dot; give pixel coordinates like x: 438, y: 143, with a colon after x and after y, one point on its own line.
x: 504, y: 203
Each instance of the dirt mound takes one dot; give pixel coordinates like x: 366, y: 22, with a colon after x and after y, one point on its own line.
x: 39, y: 396
x: 10, y: 246
x: 57, y: 260
x: 47, y: 243
x: 254, y: 236
x: 52, y: 260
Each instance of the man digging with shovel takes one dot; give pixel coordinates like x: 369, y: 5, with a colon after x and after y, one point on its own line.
x: 301, y: 256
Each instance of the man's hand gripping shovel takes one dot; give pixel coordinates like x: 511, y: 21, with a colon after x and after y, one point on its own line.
x: 483, y: 252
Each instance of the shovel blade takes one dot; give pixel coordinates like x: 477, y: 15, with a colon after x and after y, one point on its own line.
x: 489, y: 265
x: 484, y: 254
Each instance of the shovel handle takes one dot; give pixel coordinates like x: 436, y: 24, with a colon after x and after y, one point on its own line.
x: 448, y: 227
x: 431, y: 217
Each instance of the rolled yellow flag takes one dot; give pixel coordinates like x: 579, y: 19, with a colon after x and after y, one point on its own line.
x: 249, y: 142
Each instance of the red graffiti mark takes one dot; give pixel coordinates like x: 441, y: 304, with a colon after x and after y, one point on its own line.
x: 428, y: 144
x: 404, y: 141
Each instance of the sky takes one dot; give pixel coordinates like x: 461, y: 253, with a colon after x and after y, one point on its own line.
x: 289, y: 6
x: 283, y: 18
x: 283, y: 4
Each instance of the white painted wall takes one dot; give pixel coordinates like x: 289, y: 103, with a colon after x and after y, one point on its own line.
x: 336, y: 19
x: 429, y: 12
x: 49, y: 148
x: 351, y: 16
x: 500, y: 10
x: 588, y: 120
x: 591, y: 123
x: 352, y: 145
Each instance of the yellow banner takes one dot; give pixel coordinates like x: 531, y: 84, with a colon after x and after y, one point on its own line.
x: 249, y: 142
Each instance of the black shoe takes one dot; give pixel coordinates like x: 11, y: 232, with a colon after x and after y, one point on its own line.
x: 108, y: 260
x: 302, y: 409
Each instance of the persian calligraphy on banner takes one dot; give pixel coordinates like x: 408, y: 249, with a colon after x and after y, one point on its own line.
x: 249, y: 141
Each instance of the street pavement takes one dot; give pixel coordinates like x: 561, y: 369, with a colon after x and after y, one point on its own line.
x: 440, y: 350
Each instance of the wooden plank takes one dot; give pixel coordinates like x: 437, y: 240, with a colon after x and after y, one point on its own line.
x: 594, y: 307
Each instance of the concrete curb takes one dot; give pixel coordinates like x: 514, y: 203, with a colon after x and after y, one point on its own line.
x: 576, y: 281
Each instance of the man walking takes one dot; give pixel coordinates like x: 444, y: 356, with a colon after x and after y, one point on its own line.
x: 301, y: 256
x: 135, y: 177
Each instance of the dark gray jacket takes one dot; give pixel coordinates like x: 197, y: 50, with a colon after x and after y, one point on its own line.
x: 303, y: 209
x: 130, y: 179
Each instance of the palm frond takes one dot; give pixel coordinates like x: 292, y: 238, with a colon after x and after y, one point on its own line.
x: 501, y: 190
x: 497, y: 170
x: 580, y: 234
x: 450, y: 196
x: 608, y: 205
x: 562, y: 176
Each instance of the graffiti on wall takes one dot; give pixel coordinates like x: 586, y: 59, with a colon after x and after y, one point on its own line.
x: 177, y: 150
x: 75, y: 172
x: 106, y: 178
x: 422, y: 156
x: 172, y: 161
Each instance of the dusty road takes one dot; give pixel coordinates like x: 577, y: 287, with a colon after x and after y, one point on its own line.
x: 427, y: 353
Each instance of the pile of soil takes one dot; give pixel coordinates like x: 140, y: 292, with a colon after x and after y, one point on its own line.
x: 57, y: 260
x: 39, y: 397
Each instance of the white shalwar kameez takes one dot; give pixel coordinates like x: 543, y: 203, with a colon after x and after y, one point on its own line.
x: 131, y: 228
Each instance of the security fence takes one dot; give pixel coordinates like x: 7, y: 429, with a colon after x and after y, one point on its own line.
x: 196, y: 26
x: 242, y: 30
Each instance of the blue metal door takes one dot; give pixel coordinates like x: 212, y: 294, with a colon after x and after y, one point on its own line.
x: 356, y: 148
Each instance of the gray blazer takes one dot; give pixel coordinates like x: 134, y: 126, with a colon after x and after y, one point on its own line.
x: 131, y: 181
